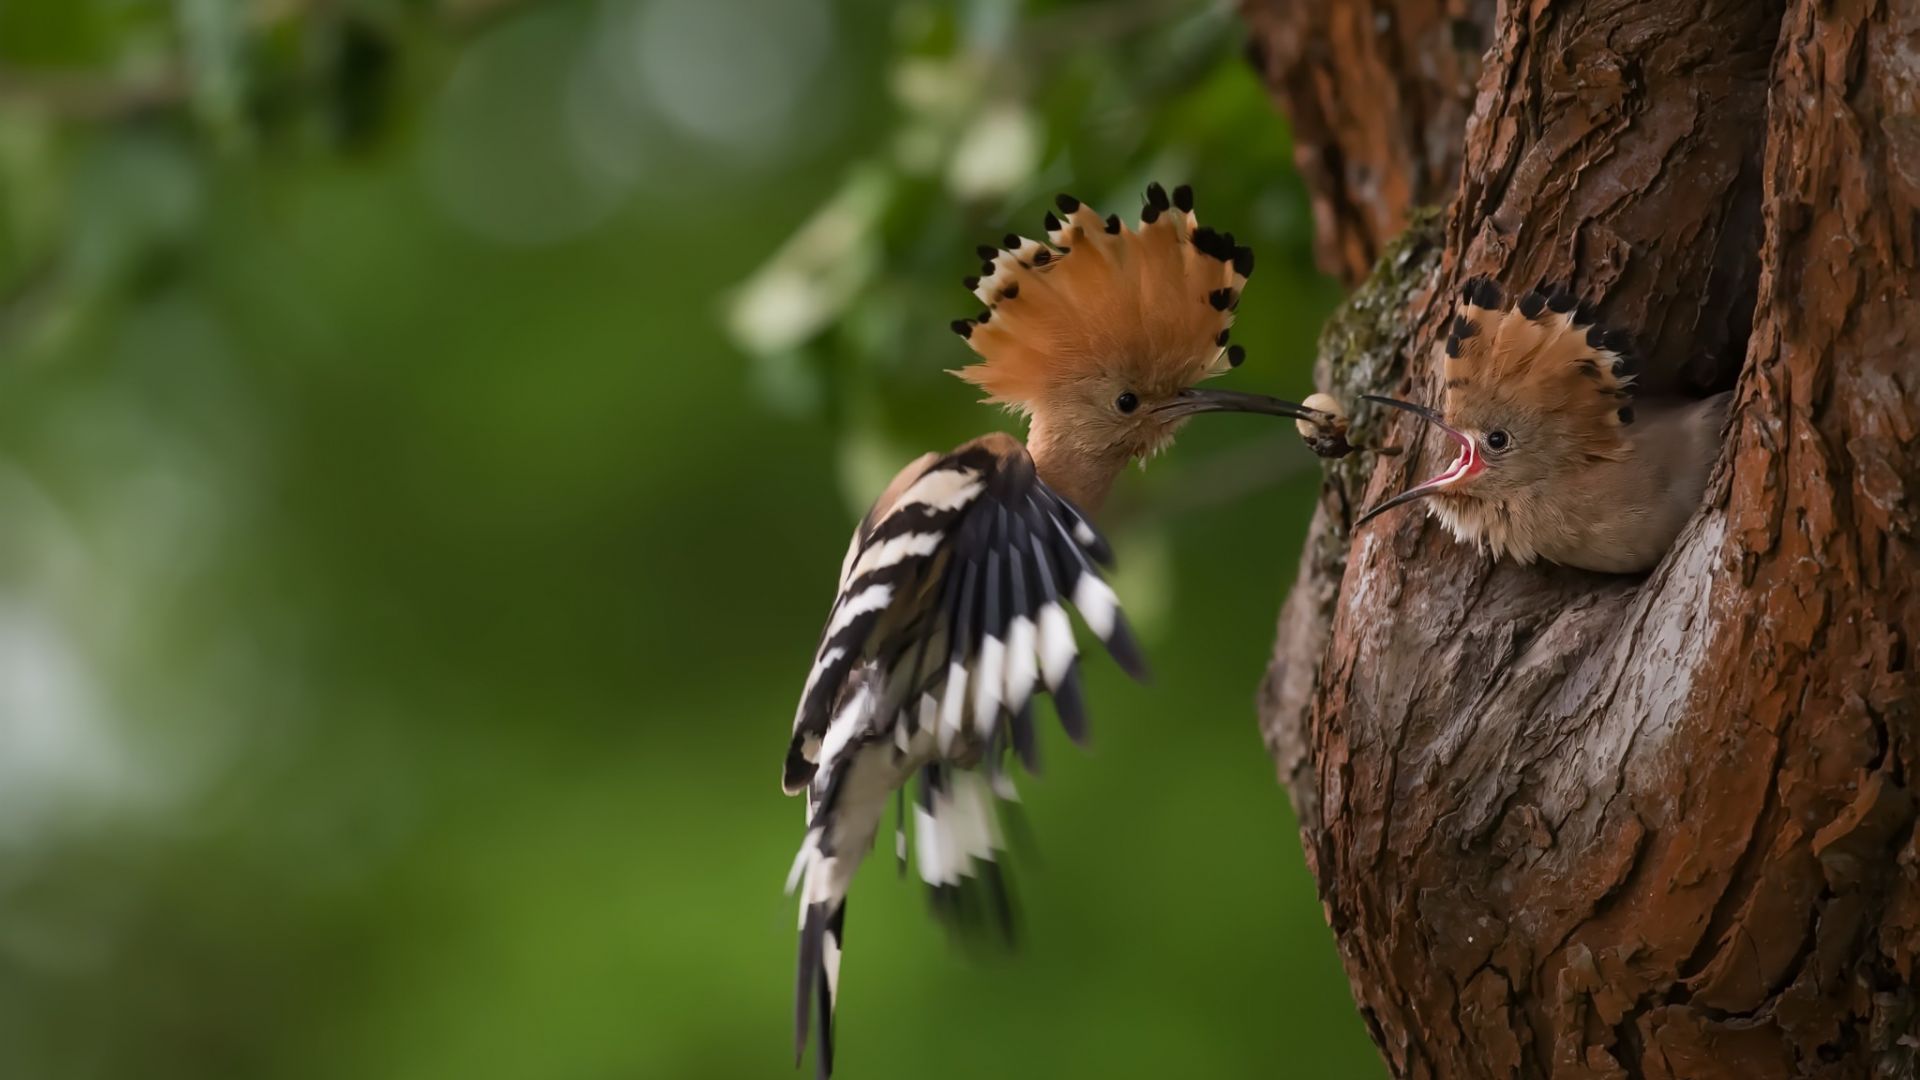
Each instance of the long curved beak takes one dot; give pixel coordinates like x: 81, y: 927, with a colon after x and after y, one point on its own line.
x: 1193, y: 401
x: 1465, y: 465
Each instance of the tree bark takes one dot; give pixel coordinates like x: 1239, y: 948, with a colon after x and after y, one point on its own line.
x: 1378, y: 92
x: 1576, y: 825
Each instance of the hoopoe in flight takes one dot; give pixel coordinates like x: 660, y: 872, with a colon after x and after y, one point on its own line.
x: 1554, y: 461
x: 951, y: 614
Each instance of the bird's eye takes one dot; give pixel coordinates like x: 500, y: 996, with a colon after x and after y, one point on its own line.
x: 1126, y: 402
x: 1497, y: 439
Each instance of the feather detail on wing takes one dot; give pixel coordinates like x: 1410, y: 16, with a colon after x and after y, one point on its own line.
x: 957, y: 586
x: 951, y: 618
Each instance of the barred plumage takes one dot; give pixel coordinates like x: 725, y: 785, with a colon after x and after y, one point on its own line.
x: 951, y: 614
x: 950, y: 619
x: 970, y: 564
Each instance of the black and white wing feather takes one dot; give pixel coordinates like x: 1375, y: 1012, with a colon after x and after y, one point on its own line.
x: 951, y: 617
x: 958, y: 581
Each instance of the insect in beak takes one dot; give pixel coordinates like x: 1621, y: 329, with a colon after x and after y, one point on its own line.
x: 1467, y: 464
x: 1188, y: 402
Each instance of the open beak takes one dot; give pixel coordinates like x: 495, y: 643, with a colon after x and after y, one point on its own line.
x: 1467, y: 464
x: 1191, y: 401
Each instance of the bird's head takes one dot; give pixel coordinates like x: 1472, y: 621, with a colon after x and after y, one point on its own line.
x: 1101, y: 333
x: 1534, y: 395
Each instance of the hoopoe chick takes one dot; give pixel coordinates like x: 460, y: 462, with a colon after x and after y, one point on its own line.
x: 1555, y: 461
x: 951, y: 614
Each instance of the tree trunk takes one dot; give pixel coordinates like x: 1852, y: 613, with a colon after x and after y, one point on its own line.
x: 1577, y: 825
x: 1378, y: 94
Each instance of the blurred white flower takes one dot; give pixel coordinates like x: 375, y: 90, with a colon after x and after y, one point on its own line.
x: 940, y: 86
x: 809, y: 282
x: 55, y: 743
x: 996, y: 153
x: 936, y: 95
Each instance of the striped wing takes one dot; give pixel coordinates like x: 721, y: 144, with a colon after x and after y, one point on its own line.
x: 955, y: 588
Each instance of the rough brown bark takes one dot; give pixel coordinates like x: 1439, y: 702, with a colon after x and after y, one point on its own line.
x: 1378, y: 92
x: 1584, y: 826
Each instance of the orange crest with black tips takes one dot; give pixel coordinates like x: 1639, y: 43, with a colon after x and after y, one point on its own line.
x: 1152, y: 304
x: 1545, y: 355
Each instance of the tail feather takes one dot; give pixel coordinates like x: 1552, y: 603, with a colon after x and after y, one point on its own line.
x: 818, y: 982
x: 900, y: 828
x: 812, y: 931
x: 956, y: 837
x: 957, y: 840
x: 853, y: 791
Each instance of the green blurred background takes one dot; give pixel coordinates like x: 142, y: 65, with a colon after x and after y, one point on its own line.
x: 428, y: 436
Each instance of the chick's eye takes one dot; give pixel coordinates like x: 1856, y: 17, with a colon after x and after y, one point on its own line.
x: 1126, y: 402
x: 1497, y: 439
